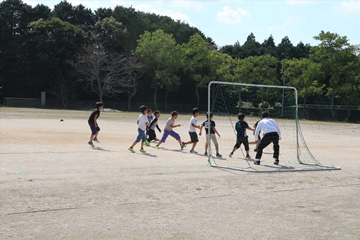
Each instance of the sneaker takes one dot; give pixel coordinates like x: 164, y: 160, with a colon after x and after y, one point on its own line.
x: 205, y: 153
x: 142, y: 150
x: 230, y: 155
x: 257, y: 162
x: 183, y: 145
x: 193, y: 151
x: 131, y: 149
x: 96, y: 140
x: 147, y: 143
x: 255, y: 150
x: 247, y: 156
x: 218, y: 155
x: 276, y: 162
x: 91, y: 144
x: 157, y: 147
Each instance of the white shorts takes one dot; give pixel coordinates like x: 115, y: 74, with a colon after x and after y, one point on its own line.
x: 213, y: 138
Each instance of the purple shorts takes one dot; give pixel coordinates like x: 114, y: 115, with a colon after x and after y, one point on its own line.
x: 94, y: 129
x: 171, y: 133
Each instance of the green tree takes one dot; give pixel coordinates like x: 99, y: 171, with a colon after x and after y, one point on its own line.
x: 258, y: 70
x: 304, y: 75
x: 198, y: 63
x: 112, y: 34
x: 334, y: 53
x: 163, y: 58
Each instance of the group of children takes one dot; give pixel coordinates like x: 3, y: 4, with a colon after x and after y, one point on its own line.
x: 147, y: 124
x: 148, y: 128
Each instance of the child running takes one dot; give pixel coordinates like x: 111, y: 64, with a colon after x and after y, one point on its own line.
x: 150, y: 118
x: 93, y: 123
x: 168, y: 130
x: 212, y: 134
x: 241, y: 138
x: 151, y: 128
x: 143, y: 123
x: 192, y: 130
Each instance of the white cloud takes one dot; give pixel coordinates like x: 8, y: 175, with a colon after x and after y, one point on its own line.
x: 293, y: 19
x: 149, y: 8
x: 299, y: 2
x: 277, y: 28
x: 231, y: 17
x: 31, y: 3
x: 351, y: 6
x: 197, y: 5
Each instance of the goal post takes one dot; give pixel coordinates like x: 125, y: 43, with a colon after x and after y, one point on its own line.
x: 227, y: 99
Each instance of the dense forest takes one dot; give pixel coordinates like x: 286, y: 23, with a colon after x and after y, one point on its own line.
x: 73, y: 52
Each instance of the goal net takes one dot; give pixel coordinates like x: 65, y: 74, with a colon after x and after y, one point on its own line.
x: 226, y: 100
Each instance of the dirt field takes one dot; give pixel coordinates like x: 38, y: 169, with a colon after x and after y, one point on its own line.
x: 55, y: 186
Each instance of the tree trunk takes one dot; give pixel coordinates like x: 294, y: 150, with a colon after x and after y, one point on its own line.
x: 155, y: 96
x: 197, y: 94
x: 304, y: 109
x: 332, y: 105
x: 166, y: 96
x: 130, y: 95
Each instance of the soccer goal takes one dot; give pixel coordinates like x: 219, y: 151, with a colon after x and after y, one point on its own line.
x: 226, y: 100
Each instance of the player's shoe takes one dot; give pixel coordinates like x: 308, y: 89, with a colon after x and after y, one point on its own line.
x: 248, y: 156
x: 96, y: 140
x: 230, y: 155
x: 157, y: 147
x: 91, y: 144
x: 276, y: 162
x: 218, y: 155
x: 147, y: 143
x: 193, y: 151
x: 205, y: 153
x: 183, y: 145
x: 257, y: 162
x: 131, y: 149
x: 142, y: 150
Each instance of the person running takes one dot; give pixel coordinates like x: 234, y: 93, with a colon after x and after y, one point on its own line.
x: 168, y: 130
x: 272, y: 134
x: 151, y: 128
x: 142, y: 123
x: 241, y: 136
x: 95, y: 129
x: 194, y: 139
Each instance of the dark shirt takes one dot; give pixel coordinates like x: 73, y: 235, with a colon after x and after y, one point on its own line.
x: 154, y: 124
x: 206, y: 125
x: 92, y: 116
x: 240, y: 128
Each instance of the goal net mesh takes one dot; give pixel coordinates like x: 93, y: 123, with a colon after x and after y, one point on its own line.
x: 226, y: 100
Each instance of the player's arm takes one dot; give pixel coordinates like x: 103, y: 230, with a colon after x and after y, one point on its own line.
x: 174, y: 126
x: 95, y: 119
x: 257, y: 131
x: 215, y: 131
x: 193, y: 125
x: 158, y: 128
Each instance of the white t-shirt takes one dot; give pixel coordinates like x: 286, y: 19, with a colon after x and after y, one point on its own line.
x: 267, y: 125
x: 142, y: 120
x: 193, y: 120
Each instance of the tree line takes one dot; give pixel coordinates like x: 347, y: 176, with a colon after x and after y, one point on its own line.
x: 72, y: 52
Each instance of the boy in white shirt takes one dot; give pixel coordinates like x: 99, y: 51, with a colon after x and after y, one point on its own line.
x: 192, y: 130
x: 143, y: 123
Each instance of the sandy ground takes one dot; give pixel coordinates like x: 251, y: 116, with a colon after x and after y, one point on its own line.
x: 55, y: 186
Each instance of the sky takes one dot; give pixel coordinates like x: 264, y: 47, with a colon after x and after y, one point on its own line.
x: 229, y: 21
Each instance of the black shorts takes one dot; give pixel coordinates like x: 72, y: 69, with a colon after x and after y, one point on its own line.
x: 193, y: 137
x: 242, y: 140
